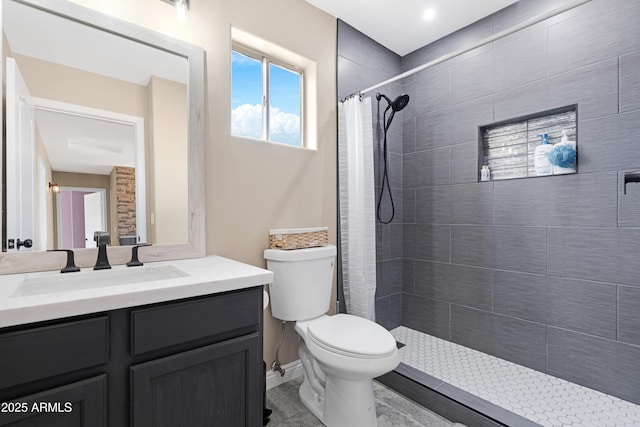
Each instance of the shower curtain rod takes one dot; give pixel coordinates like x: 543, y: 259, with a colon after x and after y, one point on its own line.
x: 501, y: 34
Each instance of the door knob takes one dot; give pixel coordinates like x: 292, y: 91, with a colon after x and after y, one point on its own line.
x: 26, y: 243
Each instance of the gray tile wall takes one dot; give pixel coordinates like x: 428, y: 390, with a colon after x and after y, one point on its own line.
x: 362, y: 63
x: 541, y: 271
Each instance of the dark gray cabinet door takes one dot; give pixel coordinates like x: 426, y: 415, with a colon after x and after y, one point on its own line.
x: 81, y: 404
x: 216, y: 385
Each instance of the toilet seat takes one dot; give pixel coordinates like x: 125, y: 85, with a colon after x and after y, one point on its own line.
x: 351, y: 336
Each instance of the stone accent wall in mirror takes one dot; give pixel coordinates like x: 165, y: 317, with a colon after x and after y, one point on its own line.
x: 104, y: 133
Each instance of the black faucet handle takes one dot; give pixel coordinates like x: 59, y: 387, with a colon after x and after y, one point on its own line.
x: 102, y: 263
x: 630, y: 177
x: 135, y: 262
x: 71, y: 262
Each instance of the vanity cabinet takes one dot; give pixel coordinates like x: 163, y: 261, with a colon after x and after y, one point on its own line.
x: 190, y: 362
x: 216, y: 383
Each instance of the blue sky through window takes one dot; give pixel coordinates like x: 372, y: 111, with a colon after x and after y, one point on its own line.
x: 284, y: 119
x: 246, y: 101
x: 246, y: 96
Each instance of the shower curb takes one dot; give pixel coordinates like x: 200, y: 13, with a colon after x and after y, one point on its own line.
x: 448, y: 401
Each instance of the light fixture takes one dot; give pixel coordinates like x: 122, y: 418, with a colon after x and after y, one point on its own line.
x: 181, y: 8
x: 54, y: 187
x: 429, y: 14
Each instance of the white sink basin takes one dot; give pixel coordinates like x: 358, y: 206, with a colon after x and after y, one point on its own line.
x: 89, y: 279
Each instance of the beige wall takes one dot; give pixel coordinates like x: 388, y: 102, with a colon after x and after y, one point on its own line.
x: 168, y: 178
x: 248, y: 191
x: 79, y: 87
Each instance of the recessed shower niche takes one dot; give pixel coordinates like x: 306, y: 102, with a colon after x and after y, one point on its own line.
x: 539, y: 144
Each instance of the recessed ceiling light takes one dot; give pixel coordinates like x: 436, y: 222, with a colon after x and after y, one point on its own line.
x: 429, y: 14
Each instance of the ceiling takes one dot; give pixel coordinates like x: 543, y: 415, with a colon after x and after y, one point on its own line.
x: 400, y: 25
x: 80, y: 46
x: 84, y: 144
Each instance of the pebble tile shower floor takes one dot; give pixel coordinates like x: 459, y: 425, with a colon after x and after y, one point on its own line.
x: 538, y: 397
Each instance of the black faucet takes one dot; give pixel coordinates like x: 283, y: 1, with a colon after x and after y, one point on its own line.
x: 102, y: 263
x: 135, y: 262
x: 71, y: 264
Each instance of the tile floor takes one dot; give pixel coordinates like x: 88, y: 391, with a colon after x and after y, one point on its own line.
x: 541, y: 398
x: 393, y: 409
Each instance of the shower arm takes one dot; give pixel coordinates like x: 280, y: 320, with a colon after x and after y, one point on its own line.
x: 524, y: 24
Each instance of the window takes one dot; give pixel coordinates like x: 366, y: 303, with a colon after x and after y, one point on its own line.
x: 266, y: 98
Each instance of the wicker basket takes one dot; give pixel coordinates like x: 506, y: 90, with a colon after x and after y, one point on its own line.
x: 298, y: 238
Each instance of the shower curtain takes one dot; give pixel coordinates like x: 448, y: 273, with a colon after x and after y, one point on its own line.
x: 357, y: 206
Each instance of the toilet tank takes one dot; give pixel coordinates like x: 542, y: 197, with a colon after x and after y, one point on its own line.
x: 302, y: 281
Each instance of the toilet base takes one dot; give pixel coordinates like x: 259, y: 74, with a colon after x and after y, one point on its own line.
x: 348, y: 403
x: 338, y: 389
x: 311, y: 400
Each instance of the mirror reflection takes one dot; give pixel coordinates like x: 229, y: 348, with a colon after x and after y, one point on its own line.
x: 96, y: 136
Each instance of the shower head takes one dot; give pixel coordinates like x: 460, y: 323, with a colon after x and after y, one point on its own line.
x: 397, y: 104
x: 400, y: 102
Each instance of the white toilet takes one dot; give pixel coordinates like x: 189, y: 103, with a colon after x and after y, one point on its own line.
x: 340, y: 354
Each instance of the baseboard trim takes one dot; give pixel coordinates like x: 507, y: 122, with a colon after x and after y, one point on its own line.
x: 291, y: 370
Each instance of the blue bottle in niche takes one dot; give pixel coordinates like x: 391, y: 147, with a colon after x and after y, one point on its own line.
x: 541, y: 162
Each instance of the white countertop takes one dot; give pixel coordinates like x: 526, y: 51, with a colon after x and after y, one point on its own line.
x: 201, y: 276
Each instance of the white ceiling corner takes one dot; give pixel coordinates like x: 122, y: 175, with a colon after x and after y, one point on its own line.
x: 399, y: 25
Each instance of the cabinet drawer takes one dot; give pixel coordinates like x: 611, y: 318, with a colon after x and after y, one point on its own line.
x: 83, y: 403
x: 178, y: 323
x: 43, y: 352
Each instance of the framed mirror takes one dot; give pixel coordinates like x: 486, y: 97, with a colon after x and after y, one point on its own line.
x: 103, y: 138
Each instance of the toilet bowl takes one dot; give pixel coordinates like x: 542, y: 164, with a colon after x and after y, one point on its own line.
x: 340, y: 354
x: 349, y: 344
x: 349, y: 351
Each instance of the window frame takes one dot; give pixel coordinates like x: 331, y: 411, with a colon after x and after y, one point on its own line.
x: 267, y: 61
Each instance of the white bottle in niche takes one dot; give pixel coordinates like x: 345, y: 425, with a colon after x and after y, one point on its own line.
x: 541, y: 162
x: 568, y: 153
x: 485, y: 173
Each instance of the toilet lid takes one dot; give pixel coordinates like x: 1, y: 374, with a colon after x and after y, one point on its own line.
x: 352, y: 336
